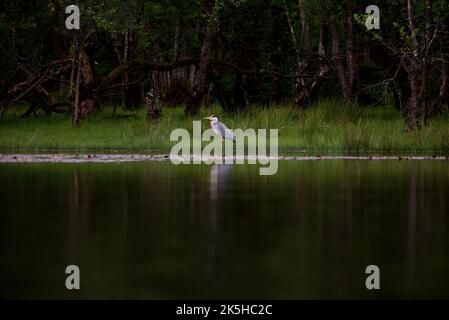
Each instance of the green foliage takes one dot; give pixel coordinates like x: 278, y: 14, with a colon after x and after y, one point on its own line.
x: 250, y: 35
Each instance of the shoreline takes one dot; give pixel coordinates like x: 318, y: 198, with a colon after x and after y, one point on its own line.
x: 119, y: 158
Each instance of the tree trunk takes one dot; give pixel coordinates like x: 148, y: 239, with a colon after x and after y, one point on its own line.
x: 275, y: 55
x: 413, y: 106
x: 319, y: 78
x: 88, y: 101
x: 199, y: 85
x: 303, y: 56
x: 424, y: 94
x: 132, y: 93
x: 76, y: 108
x: 350, y: 56
x: 153, y: 112
x: 336, y: 56
x: 346, y: 78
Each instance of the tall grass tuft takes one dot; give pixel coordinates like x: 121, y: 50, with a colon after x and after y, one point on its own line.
x: 356, y: 137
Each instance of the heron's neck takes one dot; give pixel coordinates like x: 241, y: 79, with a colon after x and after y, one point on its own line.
x: 213, y: 121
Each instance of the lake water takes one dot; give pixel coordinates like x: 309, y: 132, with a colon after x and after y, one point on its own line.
x: 158, y: 231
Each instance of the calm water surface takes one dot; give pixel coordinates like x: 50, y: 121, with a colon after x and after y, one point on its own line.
x: 155, y: 230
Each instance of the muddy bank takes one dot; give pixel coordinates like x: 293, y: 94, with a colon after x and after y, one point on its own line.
x: 77, y: 158
x: 107, y: 158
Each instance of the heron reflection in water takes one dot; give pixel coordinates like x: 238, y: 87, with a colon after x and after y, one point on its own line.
x: 218, y: 181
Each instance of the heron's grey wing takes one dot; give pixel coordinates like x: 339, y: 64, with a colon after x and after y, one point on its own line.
x: 224, y: 131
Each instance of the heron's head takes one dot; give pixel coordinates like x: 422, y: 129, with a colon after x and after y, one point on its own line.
x: 211, y: 118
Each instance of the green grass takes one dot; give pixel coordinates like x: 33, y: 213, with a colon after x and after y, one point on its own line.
x: 326, y: 127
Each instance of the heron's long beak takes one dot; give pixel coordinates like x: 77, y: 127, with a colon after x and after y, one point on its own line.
x: 207, y: 118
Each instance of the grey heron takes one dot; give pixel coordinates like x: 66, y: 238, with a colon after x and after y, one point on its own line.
x: 220, y: 128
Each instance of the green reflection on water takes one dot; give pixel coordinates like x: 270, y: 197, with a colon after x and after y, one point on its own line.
x: 155, y: 230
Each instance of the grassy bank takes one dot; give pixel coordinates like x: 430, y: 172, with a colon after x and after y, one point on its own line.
x: 325, y: 127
